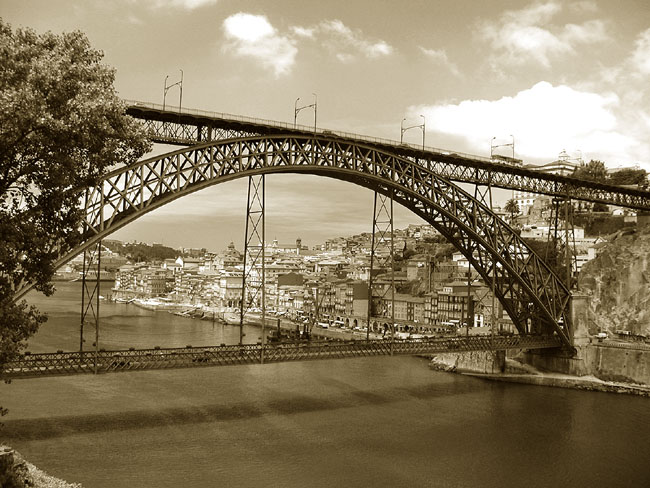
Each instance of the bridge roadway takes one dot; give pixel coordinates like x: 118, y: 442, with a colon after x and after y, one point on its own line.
x: 66, y: 363
x: 188, y: 127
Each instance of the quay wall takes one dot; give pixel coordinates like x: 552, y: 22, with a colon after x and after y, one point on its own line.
x: 488, y: 362
x: 608, y: 362
x: 614, y: 362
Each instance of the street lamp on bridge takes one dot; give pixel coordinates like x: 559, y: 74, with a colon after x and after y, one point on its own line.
x: 297, y: 109
x: 420, y: 126
x: 510, y: 144
x: 167, y: 88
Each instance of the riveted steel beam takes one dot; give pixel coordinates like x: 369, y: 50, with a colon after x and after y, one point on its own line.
x: 67, y: 363
x: 190, y: 127
x: 526, y: 286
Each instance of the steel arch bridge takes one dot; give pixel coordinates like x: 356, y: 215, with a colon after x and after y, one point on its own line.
x: 187, y: 127
x: 534, y: 297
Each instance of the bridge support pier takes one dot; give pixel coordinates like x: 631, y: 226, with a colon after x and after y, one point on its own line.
x: 253, y: 276
x: 382, y: 257
x: 90, y: 296
x: 574, y: 361
x: 579, y: 312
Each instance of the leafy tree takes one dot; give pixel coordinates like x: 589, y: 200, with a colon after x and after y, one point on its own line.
x: 629, y: 177
x: 146, y: 253
x: 594, y: 170
x: 436, y: 239
x: 61, y: 127
x: 512, y: 208
x: 600, y: 207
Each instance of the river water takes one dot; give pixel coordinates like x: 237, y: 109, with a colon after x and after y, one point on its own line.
x: 385, y: 422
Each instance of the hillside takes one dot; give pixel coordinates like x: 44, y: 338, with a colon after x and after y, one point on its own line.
x: 618, y: 281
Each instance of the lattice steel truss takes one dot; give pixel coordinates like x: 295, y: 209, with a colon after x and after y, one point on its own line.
x: 92, y: 260
x: 526, y: 286
x: 140, y: 359
x: 172, y: 132
x: 195, y: 126
x: 382, y: 259
x: 567, y: 238
x: 483, y: 194
x: 253, y: 277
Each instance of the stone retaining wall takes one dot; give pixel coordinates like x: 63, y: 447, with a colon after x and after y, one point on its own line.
x: 607, y: 362
x: 470, y: 362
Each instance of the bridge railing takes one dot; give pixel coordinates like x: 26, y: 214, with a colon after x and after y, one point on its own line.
x: 159, y: 358
x: 303, y: 128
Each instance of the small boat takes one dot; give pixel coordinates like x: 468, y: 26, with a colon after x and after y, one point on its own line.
x: 231, y: 318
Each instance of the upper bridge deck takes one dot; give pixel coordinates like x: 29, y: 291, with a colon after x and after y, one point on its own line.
x: 188, y: 127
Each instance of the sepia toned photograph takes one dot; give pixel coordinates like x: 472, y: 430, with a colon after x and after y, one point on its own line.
x: 324, y: 244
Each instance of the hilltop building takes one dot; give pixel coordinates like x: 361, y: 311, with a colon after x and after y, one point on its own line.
x: 563, y: 166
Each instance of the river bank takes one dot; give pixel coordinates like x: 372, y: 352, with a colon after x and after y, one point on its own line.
x: 16, y: 472
x: 273, y: 323
x: 590, y: 383
x: 483, y: 365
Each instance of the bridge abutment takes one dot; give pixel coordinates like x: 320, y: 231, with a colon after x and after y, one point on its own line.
x: 579, y: 318
x: 566, y: 361
x: 606, y: 361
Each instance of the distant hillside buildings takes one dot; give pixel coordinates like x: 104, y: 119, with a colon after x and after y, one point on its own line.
x: 329, y: 284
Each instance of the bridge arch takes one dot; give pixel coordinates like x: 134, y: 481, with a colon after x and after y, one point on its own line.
x: 533, y: 296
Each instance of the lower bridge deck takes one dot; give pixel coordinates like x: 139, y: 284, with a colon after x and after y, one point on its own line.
x: 30, y: 365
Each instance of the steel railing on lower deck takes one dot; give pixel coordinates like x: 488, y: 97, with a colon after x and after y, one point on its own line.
x: 158, y: 358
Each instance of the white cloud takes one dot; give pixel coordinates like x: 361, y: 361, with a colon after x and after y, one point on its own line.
x: 254, y: 36
x: 439, y: 56
x: 583, y: 7
x: 247, y: 27
x: 345, y: 57
x: 544, y: 120
x: 591, y: 31
x: 641, y: 55
x: 529, y: 34
x: 302, y: 31
x: 343, y: 41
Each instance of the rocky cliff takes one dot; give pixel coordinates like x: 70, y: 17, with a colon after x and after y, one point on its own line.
x: 618, y: 282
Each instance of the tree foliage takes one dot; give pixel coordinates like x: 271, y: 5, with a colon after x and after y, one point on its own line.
x: 141, y: 252
x: 552, y: 252
x: 512, y: 207
x: 594, y: 170
x: 629, y: 176
x: 62, y: 126
x: 600, y: 207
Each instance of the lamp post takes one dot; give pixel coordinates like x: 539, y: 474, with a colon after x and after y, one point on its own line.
x: 315, y: 110
x: 167, y: 88
x: 510, y: 144
x: 424, y: 129
x: 295, y: 112
x: 297, y: 109
x: 403, y: 129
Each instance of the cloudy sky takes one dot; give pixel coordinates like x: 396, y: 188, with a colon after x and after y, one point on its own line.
x: 554, y: 75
